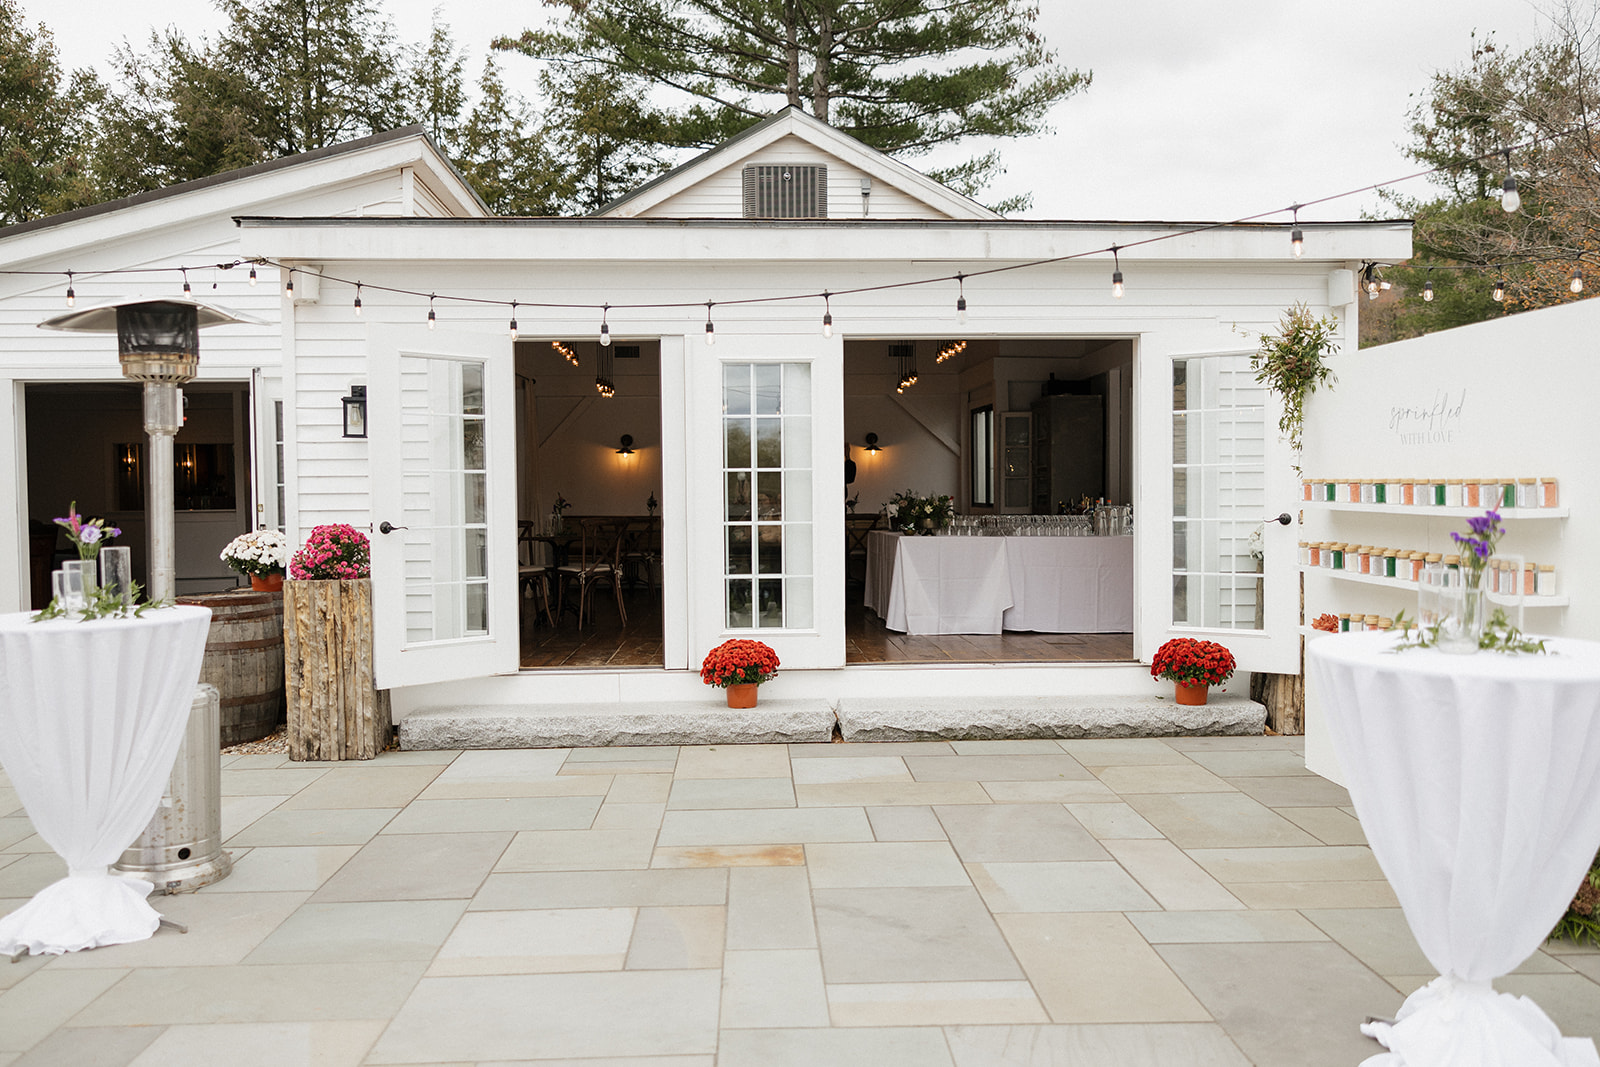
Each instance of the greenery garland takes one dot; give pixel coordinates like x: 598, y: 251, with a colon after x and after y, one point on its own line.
x: 1290, y: 364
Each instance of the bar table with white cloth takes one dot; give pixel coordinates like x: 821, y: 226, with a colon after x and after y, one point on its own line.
x: 943, y: 585
x: 1070, y: 585
x: 91, y: 717
x: 1477, y: 782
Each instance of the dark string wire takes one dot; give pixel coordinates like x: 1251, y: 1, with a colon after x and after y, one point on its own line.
x: 883, y: 287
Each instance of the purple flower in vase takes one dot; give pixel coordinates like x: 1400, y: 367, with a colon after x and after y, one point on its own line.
x: 89, y: 534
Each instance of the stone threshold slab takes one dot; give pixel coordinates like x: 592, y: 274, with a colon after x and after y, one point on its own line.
x: 1003, y: 717
x: 634, y: 723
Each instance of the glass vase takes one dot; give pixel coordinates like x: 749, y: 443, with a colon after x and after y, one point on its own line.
x: 1462, y: 611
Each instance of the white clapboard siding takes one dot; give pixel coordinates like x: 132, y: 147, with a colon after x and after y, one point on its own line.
x: 721, y: 196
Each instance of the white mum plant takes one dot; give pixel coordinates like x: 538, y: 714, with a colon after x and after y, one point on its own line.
x: 260, y: 552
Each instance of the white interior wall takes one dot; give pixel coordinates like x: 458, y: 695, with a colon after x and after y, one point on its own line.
x: 919, y: 431
x: 1512, y: 397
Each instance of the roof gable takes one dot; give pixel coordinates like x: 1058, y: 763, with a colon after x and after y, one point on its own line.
x: 703, y: 187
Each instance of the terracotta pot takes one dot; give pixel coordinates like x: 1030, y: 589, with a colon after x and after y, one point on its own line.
x: 267, y: 583
x: 742, y: 695
x: 1191, y: 694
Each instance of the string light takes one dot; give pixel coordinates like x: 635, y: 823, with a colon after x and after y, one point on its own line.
x: 950, y: 350
x: 1510, y: 199
x: 288, y: 289
x: 1427, y: 288
x: 1576, y: 284
x: 72, y: 297
x: 711, y: 330
x: 433, y: 319
x: 1116, y: 274
x: 187, y: 292
x: 605, y: 329
x: 1297, y: 240
x: 513, y: 320
x: 1499, y: 293
x: 252, y: 276
x: 358, y: 298
x: 827, y: 315
x: 961, y: 300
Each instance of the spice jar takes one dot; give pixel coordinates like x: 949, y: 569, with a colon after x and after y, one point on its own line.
x: 1508, y: 492
x: 1369, y: 491
x: 1303, y: 553
x: 1388, y: 567
x: 1305, y: 489
x: 1452, y: 493
x: 1353, y: 492
x: 1344, y: 622
x: 1418, y: 561
x: 1384, y: 622
x: 1408, y: 493
x: 1530, y: 579
x: 1489, y: 495
x: 1547, y: 579
x: 1314, y: 554
x: 1338, y: 555
x: 1380, y: 491
x: 1549, y: 497
x: 1437, y: 497
x: 1469, y: 493
x: 1364, y: 559
x: 1527, y: 492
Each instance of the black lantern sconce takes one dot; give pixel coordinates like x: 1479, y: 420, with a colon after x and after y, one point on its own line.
x: 627, y: 445
x: 355, y: 412
x: 872, y: 443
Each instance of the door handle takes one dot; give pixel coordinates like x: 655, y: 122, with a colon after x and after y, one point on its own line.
x: 385, y: 527
x: 1282, y: 518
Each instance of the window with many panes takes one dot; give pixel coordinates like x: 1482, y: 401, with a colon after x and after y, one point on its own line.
x: 1218, y: 492
x: 767, y: 519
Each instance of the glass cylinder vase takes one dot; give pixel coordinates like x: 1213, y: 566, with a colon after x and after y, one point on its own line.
x: 1463, y: 611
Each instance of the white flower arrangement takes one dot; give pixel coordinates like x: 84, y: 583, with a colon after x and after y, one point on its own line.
x: 260, y: 552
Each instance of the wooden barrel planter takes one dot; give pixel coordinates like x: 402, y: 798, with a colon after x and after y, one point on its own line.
x: 244, y: 660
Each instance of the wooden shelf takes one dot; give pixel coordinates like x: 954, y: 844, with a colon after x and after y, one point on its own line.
x: 1432, y: 511
x: 1411, y: 587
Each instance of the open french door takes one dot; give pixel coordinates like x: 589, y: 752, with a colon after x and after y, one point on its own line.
x: 442, y: 438
x: 1220, y: 474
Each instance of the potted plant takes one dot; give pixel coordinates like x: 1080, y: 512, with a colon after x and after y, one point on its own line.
x: 739, y: 666
x: 86, y: 535
x: 335, y: 712
x: 1192, y: 666
x: 261, y: 554
x: 923, y: 515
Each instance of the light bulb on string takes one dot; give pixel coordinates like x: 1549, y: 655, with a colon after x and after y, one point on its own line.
x: 288, y: 288
x: 187, y: 292
x: 1510, y: 199
x: 358, y: 299
x: 961, y: 299
x: 433, y: 319
x: 1499, y: 293
x: 252, y: 275
x: 72, y: 297
x: 827, y: 315
x: 1576, y: 284
x: 1427, y: 289
x: 711, y: 329
x: 1116, y: 274
x: 605, y: 326
x: 1297, y: 239
x: 513, y: 320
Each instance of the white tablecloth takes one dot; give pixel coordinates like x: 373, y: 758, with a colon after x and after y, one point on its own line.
x: 982, y: 585
x: 1070, y: 585
x: 91, y: 717
x: 1477, y: 781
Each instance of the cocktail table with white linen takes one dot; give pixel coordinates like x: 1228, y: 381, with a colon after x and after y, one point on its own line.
x: 1477, y: 782
x: 91, y: 717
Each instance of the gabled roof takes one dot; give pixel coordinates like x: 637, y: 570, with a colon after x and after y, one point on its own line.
x: 794, y: 122
x: 442, y: 178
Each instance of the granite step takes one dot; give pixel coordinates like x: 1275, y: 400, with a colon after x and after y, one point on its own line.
x: 991, y: 718
x: 582, y: 725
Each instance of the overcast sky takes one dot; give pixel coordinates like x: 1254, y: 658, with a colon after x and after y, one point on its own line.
x: 1198, y: 110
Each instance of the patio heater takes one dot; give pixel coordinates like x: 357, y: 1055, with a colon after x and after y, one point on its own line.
x: 158, y: 343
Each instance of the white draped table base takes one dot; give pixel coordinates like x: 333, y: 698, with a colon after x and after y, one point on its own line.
x: 91, y: 718
x: 1477, y: 782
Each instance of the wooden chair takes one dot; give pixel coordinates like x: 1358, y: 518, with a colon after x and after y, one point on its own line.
x: 533, y: 575
x: 641, y: 552
x: 856, y: 528
x: 600, y: 562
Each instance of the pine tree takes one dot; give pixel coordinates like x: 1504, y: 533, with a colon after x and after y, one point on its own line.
x: 45, y: 116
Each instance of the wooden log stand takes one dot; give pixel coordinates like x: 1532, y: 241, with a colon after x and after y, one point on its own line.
x: 334, y: 711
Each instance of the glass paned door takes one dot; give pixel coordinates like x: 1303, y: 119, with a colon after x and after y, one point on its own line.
x: 444, y: 562
x: 1232, y: 573
x: 767, y: 502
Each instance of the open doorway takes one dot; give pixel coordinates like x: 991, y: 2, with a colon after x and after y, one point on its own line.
x: 1022, y: 434
x: 86, y: 444
x: 589, y: 504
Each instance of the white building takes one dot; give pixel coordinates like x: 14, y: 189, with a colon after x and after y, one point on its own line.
x: 746, y: 238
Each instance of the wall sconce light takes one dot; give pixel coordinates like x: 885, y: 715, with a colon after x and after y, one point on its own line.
x: 872, y: 443
x: 627, y: 445
x: 355, y: 411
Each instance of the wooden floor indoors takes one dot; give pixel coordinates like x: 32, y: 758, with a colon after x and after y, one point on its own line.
x: 605, y: 643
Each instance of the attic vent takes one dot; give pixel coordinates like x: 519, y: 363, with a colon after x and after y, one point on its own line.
x: 786, y: 191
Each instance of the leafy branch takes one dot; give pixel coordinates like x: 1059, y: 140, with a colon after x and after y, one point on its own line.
x: 1498, y: 636
x: 103, y: 603
x: 1290, y: 364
